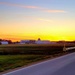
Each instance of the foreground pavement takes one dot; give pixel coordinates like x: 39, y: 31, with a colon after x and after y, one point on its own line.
x: 64, y: 65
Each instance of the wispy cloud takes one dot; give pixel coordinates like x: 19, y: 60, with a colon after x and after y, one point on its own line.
x: 36, y: 18
x: 54, y: 11
x: 18, y: 5
x: 33, y: 7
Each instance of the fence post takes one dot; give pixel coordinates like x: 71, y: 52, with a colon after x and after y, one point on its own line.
x: 64, y: 48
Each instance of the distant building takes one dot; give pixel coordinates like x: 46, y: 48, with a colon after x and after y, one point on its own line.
x: 43, y: 42
x: 24, y: 41
x: 39, y: 41
x: 4, y: 42
x: 27, y: 42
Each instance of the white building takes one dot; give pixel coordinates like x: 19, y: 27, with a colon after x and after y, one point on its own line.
x: 43, y: 42
x: 4, y: 42
x: 24, y: 41
x: 36, y: 42
x: 27, y: 42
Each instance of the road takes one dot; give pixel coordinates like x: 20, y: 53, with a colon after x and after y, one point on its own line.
x: 64, y: 65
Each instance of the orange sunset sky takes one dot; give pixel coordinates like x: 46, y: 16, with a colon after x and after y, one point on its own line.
x: 46, y: 19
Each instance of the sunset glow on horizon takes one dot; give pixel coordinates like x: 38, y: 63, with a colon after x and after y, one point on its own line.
x: 52, y: 20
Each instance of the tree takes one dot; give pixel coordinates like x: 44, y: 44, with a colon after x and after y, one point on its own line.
x: 0, y: 39
x: 9, y: 41
x: 39, y: 39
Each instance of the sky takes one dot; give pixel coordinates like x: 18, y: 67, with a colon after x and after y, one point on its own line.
x: 32, y: 19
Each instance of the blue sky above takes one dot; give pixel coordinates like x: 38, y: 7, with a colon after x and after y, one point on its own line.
x: 57, y: 16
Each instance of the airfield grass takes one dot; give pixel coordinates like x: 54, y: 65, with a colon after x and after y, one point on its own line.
x: 13, y: 56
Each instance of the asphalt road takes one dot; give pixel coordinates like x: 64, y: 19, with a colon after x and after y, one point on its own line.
x: 64, y: 65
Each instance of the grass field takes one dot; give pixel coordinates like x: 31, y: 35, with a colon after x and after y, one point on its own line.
x: 14, y: 61
x: 12, y: 56
x: 31, y: 49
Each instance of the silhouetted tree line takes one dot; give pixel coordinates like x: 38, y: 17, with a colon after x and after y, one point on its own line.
x: 9, y: 41
x: 65, y: 41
